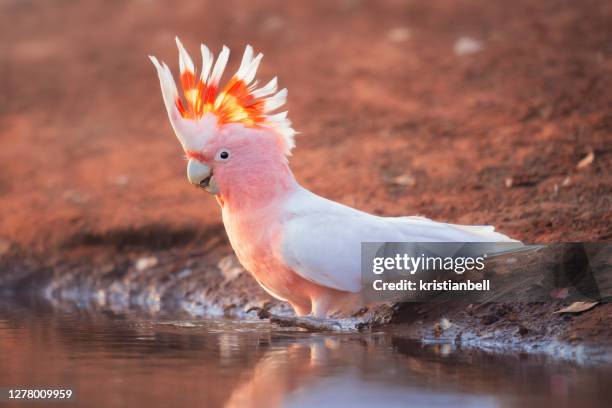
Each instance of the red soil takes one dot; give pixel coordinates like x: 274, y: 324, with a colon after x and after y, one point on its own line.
x: 376, y: 91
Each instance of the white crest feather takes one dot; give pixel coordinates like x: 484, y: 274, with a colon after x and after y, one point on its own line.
x: 276, y: 101
x: 207, y: 62
x: 208, y: 106
x: 185, y: 62
x: 265, y: 90
x: 217, y: 72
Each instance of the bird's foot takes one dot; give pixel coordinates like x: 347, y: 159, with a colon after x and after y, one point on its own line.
x: 310, y: 323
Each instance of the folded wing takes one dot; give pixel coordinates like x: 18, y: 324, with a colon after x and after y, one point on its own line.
x: 322, y: 239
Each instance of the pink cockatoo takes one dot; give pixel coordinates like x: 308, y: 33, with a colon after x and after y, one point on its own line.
x: 300, y: 247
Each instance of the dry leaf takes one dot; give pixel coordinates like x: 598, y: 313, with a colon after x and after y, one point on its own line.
x: 404, y: 180
x: 578, y: 307
x: 586, y: 161
x: 566, y: 182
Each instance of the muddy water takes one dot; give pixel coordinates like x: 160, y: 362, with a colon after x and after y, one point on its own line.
x: 130, y: 360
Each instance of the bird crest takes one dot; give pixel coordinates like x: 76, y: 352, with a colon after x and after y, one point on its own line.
x: 206, y: 105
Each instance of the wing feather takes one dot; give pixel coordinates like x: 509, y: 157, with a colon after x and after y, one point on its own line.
x: 322, y: 239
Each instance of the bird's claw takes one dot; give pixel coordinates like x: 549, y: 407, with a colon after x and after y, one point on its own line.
x: 262, y: 312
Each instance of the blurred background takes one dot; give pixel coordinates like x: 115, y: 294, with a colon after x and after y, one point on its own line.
x: 465, y: 111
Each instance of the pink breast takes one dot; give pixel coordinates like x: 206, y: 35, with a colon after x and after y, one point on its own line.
x: 259, y: 252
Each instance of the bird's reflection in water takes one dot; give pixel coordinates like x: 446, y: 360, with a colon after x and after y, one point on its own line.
x: 391, y: 370
x: 113, y: 360
x: 282, y: 370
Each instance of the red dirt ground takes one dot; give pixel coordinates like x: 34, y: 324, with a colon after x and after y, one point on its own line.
x: 392, y: 121
x: 376, y: 91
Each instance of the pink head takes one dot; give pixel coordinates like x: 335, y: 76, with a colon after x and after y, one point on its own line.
x: 236, y: 148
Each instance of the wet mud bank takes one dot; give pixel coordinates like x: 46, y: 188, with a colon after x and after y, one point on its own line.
x: 203, y: 279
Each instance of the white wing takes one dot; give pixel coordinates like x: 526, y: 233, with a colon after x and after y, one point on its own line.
x: 322, y: 239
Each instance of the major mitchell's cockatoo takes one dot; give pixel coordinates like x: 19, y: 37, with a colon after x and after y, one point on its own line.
x: 300, y: 247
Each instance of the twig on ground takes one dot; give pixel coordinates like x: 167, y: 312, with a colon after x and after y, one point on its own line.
x: 305, y: 322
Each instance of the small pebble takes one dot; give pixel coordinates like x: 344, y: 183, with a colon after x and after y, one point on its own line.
x: 399, y: 34
x: 146, y: 263
x: 467, y: 46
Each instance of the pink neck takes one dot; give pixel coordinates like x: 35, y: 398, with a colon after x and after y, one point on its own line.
x: 255, y: 191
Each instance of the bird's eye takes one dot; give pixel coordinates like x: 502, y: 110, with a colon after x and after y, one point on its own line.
x: 223, y: 155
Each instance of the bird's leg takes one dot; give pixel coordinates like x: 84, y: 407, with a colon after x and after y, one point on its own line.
x: 321, y: 305
x: 301, y: 309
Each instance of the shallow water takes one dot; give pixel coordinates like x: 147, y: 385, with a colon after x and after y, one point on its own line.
x: 119, y: 360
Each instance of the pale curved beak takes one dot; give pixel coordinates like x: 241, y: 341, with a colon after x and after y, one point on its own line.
x: 201, y: 176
